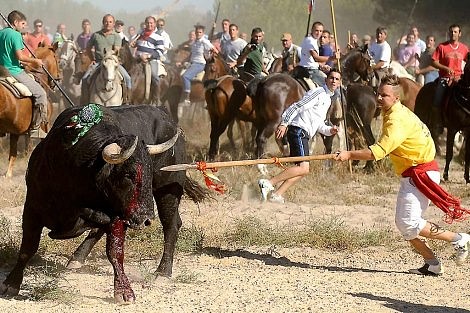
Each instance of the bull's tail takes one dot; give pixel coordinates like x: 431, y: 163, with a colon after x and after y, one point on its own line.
x: 195, y: 191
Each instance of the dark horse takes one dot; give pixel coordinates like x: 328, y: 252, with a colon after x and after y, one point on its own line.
x: 16, y: 114
x: 456, y: 113
x: 170, y: 87
x: 356, y: 67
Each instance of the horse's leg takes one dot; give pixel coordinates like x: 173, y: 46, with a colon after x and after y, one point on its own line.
x: 230, y: 133
x: 13, y: 154
x: 449, y: 150
x: 328, y: 143
x: 217, y: 129
x: 262, y: 136
x: 370, y: 140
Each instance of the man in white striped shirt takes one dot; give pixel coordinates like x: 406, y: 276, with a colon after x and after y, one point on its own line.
x: 301, y: 121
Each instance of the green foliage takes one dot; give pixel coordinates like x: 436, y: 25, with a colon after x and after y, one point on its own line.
x: 328, y: 233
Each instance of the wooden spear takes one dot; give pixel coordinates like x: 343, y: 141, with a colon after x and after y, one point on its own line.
x: 211, y: 165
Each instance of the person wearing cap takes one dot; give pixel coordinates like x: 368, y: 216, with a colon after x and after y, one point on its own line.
x: 37, y: 36
x: 84, y: 37
x: 119, y: 29
x: 232, y: 49
x: 290, y: 53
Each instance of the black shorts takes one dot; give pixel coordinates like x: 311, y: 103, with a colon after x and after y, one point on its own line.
x: 298, y: 141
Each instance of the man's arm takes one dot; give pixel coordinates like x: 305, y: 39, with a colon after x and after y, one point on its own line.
x: 36, y: 63
x: 364, y: 154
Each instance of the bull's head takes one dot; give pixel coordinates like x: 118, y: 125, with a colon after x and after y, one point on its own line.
x: 126, y: 179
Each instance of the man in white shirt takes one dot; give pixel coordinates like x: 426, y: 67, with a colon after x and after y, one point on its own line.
x: 381, y: 52
x: 167, y: 42
x: 301, y: 121
x: 232, y: 49
x: 198, y: 62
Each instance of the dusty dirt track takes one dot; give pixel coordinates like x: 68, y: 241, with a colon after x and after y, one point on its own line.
x: 268, y: 279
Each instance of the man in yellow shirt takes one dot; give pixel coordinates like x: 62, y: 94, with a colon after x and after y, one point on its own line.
x: 410, y: 146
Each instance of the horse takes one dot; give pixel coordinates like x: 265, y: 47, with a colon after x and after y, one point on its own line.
x: 356, y: 65
x: 456, y: 116
x: 105, y: 83
x: 67, y: 55
x: 16, y: 113
x: 227, y: 101
x: 170, y: 86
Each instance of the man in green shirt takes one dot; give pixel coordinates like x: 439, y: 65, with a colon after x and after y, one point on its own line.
x: 252, y: 56
x: 105, y: 40
x: 11, y: 57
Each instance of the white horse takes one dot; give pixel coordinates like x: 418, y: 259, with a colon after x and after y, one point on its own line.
x: 105, y: 85
x: 400, y: 71
x: 67, y: 55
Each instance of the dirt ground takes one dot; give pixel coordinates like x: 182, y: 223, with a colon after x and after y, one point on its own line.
x: 270, y: 278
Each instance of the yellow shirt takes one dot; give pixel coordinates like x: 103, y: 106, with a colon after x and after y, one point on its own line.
x: 405, y: 138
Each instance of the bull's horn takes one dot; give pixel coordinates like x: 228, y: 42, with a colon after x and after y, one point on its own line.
x: 162, y: 147
x: 113, y: 153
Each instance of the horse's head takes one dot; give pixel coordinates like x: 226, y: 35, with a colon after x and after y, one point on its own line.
x: 215, y: 67
x: 49, y: 58
x: 67, y: 54
x: 109, y: 67
x: 357, y: 61
x: 82, y: 62
x: 181, y: 55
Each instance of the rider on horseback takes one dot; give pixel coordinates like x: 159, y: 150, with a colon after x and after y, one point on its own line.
x: 105, y: 40
x: 381, y: 52
x: 447, y: 58
x: 11, y: 57
x: 252, y: 57
x: 150, y: 48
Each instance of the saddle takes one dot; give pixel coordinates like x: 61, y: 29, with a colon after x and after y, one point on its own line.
x: 302, y: 75
x: 15, y: 87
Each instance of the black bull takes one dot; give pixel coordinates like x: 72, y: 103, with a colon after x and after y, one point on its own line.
x: 104, y: 182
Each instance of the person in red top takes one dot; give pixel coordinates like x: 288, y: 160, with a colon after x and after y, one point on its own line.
x: 37, y: 36
x: 448, y: 58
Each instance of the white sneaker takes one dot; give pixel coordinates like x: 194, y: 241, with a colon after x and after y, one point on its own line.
x: 428, y: 270
x: 461, y: 248
x: 276, y: 198
x: 265, y: 187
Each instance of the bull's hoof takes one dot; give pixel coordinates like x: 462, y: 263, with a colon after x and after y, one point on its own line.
x: 74, y: 264
x: 124, y: 297
x: 8, y: 291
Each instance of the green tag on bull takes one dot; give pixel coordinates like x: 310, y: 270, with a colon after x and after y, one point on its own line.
x: 88, y: 116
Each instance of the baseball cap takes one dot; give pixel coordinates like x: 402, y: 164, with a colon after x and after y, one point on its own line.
x: 119, y: 23
x: 286, y: 36
x: 366, y: 38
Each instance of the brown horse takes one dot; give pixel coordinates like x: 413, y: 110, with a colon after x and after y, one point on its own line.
x: 16, y: 114
x: 227, y: 101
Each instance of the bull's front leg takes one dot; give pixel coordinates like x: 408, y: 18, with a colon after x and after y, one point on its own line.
x: 123, y: 292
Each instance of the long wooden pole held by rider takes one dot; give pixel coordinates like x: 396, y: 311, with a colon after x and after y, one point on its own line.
x: 211, y: 37
x: 310, y: 9
x: 333, y: 22
x: 43, y: 67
